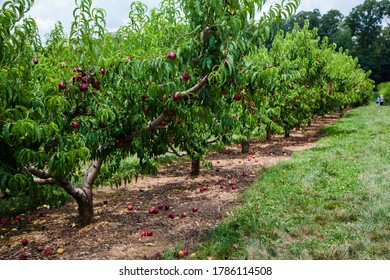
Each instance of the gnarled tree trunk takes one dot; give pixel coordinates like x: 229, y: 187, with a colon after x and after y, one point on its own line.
x: 82, y: 195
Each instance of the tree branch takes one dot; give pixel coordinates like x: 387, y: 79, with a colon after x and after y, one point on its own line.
x: 196, y: 87
x: 156, y: 122
x: 43, y: 177
x: 92, y: 172
x: 42, y: 174
x: 48, y: 181
x: 179, y: 154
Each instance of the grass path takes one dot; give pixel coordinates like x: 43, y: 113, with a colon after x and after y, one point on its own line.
x: 330, y: 202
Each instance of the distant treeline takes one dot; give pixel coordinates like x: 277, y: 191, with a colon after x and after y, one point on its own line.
x: 365, y: 32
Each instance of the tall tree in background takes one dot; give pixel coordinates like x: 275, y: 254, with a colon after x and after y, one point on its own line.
x: 314, y: 18
x: 331, y: 24
x: 365, y: 22
x: 385, y: 54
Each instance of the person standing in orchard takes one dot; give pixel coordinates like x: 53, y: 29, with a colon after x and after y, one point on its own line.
x: 381, y: 100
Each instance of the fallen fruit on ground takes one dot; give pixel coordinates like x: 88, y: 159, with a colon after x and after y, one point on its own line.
x: 180, y: 254
x: 48, y: 252
x: 153, y: 210
x: 184, y: 214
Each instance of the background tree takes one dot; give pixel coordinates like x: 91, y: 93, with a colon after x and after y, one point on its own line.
x: 365, y: 22
x: 331, y: 24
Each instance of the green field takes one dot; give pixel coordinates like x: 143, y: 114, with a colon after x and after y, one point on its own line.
x: 330, y: 202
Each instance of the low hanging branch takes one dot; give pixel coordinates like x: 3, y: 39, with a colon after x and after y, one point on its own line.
x: 43, y: 177
x: 177, y: 153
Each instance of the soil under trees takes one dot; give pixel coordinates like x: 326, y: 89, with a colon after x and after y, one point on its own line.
x: 115, y: 232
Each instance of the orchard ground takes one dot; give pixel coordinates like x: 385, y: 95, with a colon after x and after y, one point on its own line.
x: 116, y: 231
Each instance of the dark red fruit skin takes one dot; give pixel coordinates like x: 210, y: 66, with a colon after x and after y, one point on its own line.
x: 237, y: 97
x: 171, y: 55
x: 96, y: 85
x: 153, y: 210
x: 75, y: 125
x: 84, y: 87
x: 48, y: 252
x: 62, y: 85
x: 185, y: 76
x: 176, y: 96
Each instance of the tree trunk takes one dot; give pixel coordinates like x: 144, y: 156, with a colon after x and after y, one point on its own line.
x: 269, y: 135
x: 286, y: 134
x: 245, y: 147
x: 195, y: 167
x: 83, y: 195
x: 85, y: 205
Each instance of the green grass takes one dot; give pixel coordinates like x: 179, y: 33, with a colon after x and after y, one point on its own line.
x: 330, y: 202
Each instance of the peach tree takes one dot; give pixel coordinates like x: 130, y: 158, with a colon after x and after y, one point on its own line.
x: 298, y: 79
x: 73, y: 109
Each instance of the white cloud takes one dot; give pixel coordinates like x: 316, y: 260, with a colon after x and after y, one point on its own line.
x: 344, y: 6
x: 45, y: 25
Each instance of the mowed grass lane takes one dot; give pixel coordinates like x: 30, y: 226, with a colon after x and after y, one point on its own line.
x: 330, y: 202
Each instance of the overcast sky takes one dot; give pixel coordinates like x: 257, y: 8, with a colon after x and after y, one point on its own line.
x: 48, y: 12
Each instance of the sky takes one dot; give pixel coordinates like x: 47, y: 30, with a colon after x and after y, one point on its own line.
x: 47, y: 12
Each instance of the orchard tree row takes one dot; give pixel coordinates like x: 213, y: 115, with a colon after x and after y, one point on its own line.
x: 177, y: 78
